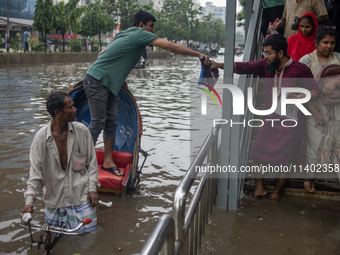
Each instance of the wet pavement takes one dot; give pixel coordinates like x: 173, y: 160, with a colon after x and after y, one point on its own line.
x: 297, y: 224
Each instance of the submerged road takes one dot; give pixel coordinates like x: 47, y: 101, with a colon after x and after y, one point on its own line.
x: 162, y: 92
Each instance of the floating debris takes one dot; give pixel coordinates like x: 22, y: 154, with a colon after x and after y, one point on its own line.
x: 117, y: 248
x: 108, y: 204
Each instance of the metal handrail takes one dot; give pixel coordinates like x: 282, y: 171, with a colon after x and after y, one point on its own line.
x: 189, y: 223
x: 161, y: 237
x: 182, y: 223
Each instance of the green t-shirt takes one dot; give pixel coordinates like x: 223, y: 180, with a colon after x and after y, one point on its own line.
x: 114, y: 64
x: 272, y: 3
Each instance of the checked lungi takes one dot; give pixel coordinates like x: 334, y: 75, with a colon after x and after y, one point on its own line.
x: 72, y: 215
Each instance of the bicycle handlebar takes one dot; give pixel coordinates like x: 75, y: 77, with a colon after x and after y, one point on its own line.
x: 27, y: 218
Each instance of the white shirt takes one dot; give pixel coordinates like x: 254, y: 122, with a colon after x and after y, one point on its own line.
x: 62, y: 187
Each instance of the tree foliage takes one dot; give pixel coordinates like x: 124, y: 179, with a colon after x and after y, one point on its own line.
x: 75, y: 45
x: 177, y: 21
x: 95, y: 21
x: 16, y: 42
x: 66, y: 18
x: 43, y: 18
x: 241, y: 16
x: 125, y: 9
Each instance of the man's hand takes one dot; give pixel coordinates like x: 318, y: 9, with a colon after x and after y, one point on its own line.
x: 215, y: 65
x: 318, y: 118
x: 27, y: 208
x: 329, y: 87
x: 92, y: 198
x: 207, y: 61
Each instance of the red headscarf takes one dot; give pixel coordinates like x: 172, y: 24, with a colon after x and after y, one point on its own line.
x: 300, y: 45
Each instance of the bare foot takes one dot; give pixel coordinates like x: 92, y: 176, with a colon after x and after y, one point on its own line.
x: 259, y: 193
x: 274, y: 196
x: 309, y: 185
x: 113, y: 165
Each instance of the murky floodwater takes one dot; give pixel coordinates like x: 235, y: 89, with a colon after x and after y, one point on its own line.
x: 162, y: 93
x: 295, y: 225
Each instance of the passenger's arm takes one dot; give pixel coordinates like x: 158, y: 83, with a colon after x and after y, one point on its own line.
x: 282, y: 23
x: 316, y: 113
x: 330, y: 86
x: 215, y: 65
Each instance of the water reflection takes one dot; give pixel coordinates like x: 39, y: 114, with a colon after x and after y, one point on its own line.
x: 162, y: 92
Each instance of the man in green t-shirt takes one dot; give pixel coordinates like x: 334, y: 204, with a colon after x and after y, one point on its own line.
x: 107, y: 75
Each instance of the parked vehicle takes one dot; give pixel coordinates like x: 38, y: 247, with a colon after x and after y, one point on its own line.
x: 213, y: 53
x: 201, y: 48
x: 238, y: 49
x: 221, y: 51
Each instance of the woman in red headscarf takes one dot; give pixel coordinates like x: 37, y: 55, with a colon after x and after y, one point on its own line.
x: 303, y: 43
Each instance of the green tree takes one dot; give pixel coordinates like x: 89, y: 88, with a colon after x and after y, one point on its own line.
x: 241, y: 16
x: 36, y: 45
x: 125, y: 9
x: 217, y: 31
x: 95, y: 21
x: 239, y: 37
x: 75, y: 45
x: 177, y: 20
x: 16, y: 42
x: 43, y: 18
x: 66, y: 18
x: 56, y: 43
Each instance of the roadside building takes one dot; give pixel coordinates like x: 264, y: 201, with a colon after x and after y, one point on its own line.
x: 218, y: 12
x: 20, y: 17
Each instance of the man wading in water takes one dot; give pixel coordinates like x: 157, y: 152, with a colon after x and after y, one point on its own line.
x: 62, y: 157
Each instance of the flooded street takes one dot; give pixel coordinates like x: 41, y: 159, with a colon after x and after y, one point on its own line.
x: 162, y: 93
x: 295, y: 225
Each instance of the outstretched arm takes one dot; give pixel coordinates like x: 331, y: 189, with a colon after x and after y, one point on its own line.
x: 215, y: 65
x: 177, y: 48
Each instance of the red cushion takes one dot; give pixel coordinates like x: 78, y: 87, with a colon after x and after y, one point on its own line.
x: 120, y: 158
x: 108, y: 180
